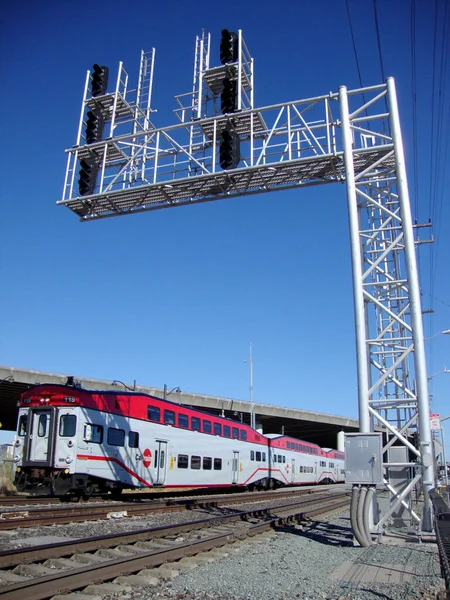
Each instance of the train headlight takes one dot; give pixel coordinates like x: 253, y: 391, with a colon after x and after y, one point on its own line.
x: 70, y: 443
x: 69, y: 460
x: 17, y: 458
x: 66, y: 471
x: 17, y: 442
x: 18, y: 470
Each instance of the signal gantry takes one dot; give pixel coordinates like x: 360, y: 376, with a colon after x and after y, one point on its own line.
x: 223, y: 147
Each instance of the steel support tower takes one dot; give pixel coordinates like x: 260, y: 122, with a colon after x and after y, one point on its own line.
x: 350, y: 136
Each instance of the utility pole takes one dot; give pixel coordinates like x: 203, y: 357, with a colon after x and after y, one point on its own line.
x: 252, y: 410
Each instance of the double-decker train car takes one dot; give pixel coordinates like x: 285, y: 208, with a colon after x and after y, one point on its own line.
x: 296, y: 462
x: 75, y: 441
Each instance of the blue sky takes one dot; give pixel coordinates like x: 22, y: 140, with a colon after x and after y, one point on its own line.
x: 175, y: 296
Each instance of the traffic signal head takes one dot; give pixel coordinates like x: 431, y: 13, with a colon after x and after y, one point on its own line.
x: 229, y: 47
x: 228, y: 98
x: 87, y: 177
x: 94, y: 126
x: 99, y: 80
x: 229, y: 154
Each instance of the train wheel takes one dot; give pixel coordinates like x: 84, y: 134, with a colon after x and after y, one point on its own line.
x: 88, y: 491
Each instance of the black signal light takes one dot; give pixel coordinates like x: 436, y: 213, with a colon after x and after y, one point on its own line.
x: 228, y: 98
x: 87, y: 177
x: 94, y: 126
x: 229, y: 49
x: 229, y: 153
x: 99, y: 79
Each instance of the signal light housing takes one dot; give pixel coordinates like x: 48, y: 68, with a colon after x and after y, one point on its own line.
x: 228, y: 97
x: 230, y: 149
x: 229, y: 47
x: 99, y: 80
x: 87, y: 177
x: 94, y: 126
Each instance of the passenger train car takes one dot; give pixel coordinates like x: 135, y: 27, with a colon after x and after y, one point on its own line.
x: 75, y: 441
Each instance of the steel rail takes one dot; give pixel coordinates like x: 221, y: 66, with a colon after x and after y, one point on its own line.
x: 65, y: 514
x: 73, y: 579
x: 10, y: 558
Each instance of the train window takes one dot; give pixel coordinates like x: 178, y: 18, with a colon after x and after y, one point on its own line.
x: 252, y: 455
x: 195, y: 423
x: 133, y: 439
x: 169, y: 417
x: 235, y: 432
x: 93, y: 433
x: 284, y: 459
x: 42, y: 425
x: 207, y: 463
x: 274, y: 458
x: 243, y: 434
x: 217, y: 429
x: 207, y: 427
x: 279, y: 458
x: 258, y: 456
x: 288, y: 444
x: 116, y: 437
x: 183, y: 420
x: 296, y: 446
x: 301, y: 469
x: 161, y: 459
x: 22, y: 429
x: 226, y: 430
x: 264, y: 457
x: 153, y: 413
x: 196, y: 462
x: 217, y: 464
x: 183, y: 461
x: 67, y: 425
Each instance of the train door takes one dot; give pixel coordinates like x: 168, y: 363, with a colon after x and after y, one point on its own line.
x: 315, y: 470
x: 293, y: 471
x: 160, y: 464
x: 39, y: 436
x: 235, y: 467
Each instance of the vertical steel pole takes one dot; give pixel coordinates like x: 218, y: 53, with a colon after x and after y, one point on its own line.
x: 415, y: 308
x: 252, y: 412
x: 444, y: 457
x: 357, y: 265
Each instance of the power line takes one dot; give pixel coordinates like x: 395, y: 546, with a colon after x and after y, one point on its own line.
x: 414, y: 105
x: 378, y: 39
x: 354, y: 44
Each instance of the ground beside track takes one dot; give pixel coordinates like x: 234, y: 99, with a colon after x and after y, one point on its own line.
x: 316, y: 562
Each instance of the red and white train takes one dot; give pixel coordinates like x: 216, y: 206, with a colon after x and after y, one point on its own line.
x: 75, y: 441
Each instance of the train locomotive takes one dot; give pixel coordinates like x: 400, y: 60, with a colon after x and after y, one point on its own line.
x: 73, y: 441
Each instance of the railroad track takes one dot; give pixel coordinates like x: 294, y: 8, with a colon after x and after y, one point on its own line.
x: 11, y: 519
x: 140, y: 551
x: 154, y: 494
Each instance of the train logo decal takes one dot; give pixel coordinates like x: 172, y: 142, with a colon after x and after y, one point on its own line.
x: 147, y: 458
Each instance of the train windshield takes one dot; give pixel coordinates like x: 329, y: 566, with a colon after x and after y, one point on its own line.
x: 22, y: 428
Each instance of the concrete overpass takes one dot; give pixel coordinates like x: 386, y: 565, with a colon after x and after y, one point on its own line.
x: 311, y: 426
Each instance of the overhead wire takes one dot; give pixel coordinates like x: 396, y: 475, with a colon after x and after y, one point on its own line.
x: 354, y: 43
x: 377, y: 28
x: 414, y: 106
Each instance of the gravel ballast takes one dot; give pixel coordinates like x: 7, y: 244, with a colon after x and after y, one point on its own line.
x: 311, y: 563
